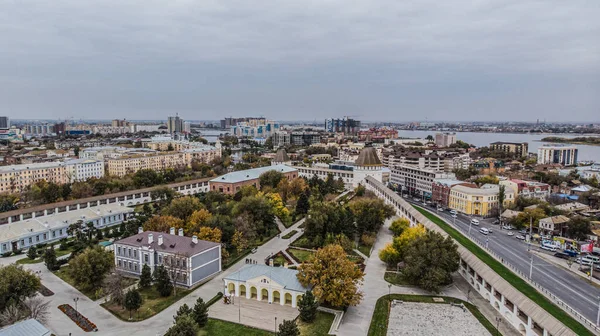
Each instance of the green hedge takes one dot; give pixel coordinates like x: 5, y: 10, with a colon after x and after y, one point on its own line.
x: 509, y: 276
x: 214, y: 299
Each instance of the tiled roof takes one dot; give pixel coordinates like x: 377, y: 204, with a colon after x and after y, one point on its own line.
x: 368, y: 157
x: 251, y: 174
x: 283, y: 276
x: 171, y: 243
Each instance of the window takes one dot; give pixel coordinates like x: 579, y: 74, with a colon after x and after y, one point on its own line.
x: 145, y: 258
x: 120, y: 263
x: 130, y: 265
x: 129, y: 252
x: 60, y: 232
x: 30, y: 241
x: 135, y: 267
x: 3, y: 247
x: 45, y: 236
x: 37, y: 238
x: 135, y: 253
x: 160, y: 259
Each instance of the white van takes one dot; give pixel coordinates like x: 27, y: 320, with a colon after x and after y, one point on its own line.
x: 475, y: 222
x: 453, y: 212
x: 484, y: 231
x: 591, y: 259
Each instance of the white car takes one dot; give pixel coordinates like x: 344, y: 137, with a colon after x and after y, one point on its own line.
x: 510, y: 233
x: 520, y: 237
x: 474, y: 222
x: 453, y: 216
x: 549, y: 248
x: 453, y: 212
x: 440, y: 209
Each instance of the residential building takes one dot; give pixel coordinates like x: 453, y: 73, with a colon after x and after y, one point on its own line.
x: 560, y: 154
x: 188, y: 261
x: 175, y: 124
x: 232, y: 182
x: 441, y: 190
x: 120, y: 123
x: 278, y: 285
x: 228, y: 122
x: 111, y: 152
x: 438, y: 160
x: 474, y: 201
x: 346, y: 125
x: 417, y: 181
x: 129, y: 164
x: 377, y: 135
x: 39, y: 129
x: 168, y: 143
x: 260, y: 128
x: 520, y: 149
x: 204, y: 154
x: 553, y: 225
x: 529, y: 189
x: 51, y: 228
x: 445, y: 139
x: 16, y: 178
x: 187, y: 127
x: 4, y: 123
x: 281, y: 139
x: 109, y: 129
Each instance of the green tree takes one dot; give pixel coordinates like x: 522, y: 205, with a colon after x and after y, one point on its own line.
x: 270, y: 178
x: 184, y: 310
x: 308, y: 307
x: 76, y: 151
x: 146, y: 277
x: 145, y: 178
x: 579, y: 227
x: 163, y: 195
x: 182, y: 207
x: 200, y: 313
x: 50, y: 259
x: 288, y: 328
x: 133, y: 300
x: 170, y: 148
x: 370, y: 214
x: 429, y: 138
x: 32, y: 252
x: 302, y: 205
x: 8, y: 202
x: 185, y: 326
x: 89, y: 268
x: 16, y: 285
x: 399, y: 225
x: 430, y: 261
x: 162, y: 281
x: 501, y: 197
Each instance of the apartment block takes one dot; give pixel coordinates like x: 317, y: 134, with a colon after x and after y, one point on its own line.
x: 474, y: 201
x: 129, y: 164
x: 560, y: 154
x: 417, y: 181
x: 521, y: 149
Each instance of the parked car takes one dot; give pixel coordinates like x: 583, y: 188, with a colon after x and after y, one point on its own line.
x: 453, y: 212
x: 548, y: 248
x: 484, y: 231
x: 520, y: 237
x: 507, y: 227
x: 440, y: 209
x: 490, y: 230
x: 497, y: 221
x: 416, y: 199
x: 474, y: 221
x: 523, y: 231
x: 453, y: 216
x: 571, y: 253
x: 562, y: 255
x: 582, y: 261
x: 510, y: 233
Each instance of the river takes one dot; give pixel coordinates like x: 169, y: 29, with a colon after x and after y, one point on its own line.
x: 585, y: 153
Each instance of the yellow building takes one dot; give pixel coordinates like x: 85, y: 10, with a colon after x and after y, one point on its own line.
x: 474, y: 201
x: 131, y: 164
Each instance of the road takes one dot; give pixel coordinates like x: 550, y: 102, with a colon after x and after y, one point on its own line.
x: 570, y: 288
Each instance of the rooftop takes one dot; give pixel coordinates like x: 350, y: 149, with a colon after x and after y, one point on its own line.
x: 476, y: 191
x: 281, y: 156
x: 171, y: 243
x: 251, y: 174
x: 281, y: 275
x: 29, y: 327
x: 368, y: 157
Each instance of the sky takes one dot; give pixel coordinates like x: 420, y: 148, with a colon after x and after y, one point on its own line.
x: 413, y: 60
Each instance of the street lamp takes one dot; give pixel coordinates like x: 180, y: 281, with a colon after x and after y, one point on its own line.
x: 498, y: 319
x: 468, y: 293
x: 390, y: 291
x: 598, y: 316
x: 275, y: 325
x: 76, y: 299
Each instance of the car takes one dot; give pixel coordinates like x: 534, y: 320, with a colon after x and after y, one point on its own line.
x: 507, y: 227
x: 453, y: 212
x: 548, y: 248
x: 582, y: 261
x: 523, y: 231
x: 520, y: 237
x: 405, y: 195
x: 474, y: 221
x: 453, y: 216
x: 484, y: 231
x: 440, y: 209
x: 510, y: 233
x: 562, y: 255
x: 490, y: 230
x: 571, y: 253
x: 254, y: 250
x: 497, y: 221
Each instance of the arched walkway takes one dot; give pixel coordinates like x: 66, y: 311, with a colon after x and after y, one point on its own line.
x: 276, y: 297
x: 253, y: 293
x: 264, y: 295
x: 298, y: 298
x: 288, y: 299
x: 522, y: 329
x: 231, y: 288
x: 496, y: 305
x: 242, y: 290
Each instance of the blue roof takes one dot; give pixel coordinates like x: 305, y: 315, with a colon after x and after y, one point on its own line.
x: 281, y: 275
x: 251, y: 174
x: 30, y: 327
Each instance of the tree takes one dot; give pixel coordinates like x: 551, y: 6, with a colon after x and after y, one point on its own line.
x: 334, y: 279
x: 198, y: 219
x: 38, y: 309
x: 393, y: 252
x: 370, y: 214
x: 184, y: 310
x: 32, y: 252
x: 308, y: 307
x: 162, y: 281
x: 288, y: 328
x: 163, y: 195
x: 302, y: 205
x: 8, y: 202
x: 200, y: 313
x: 209, y: 234
x: 81, y: 190
x: 270, y: 178
x: 239, y: 241
x: 163, y: 223
x: 133, y: 300
x: 430, y: 261
x: 50, y: 259
x: 429, y: 138
x: 399, y: 225
x: 579, y: 227
x: 170, y: 148
x: 389, y: 255
x: 145, y: 178
x: 185, y: 326
x: 16, y: 285
x: 146, y: 277
x: 182, y: 207
x: 501, y: 197
x: 297, y: 187
x: 76, y: 151
x: 89, y: 268
x: 113, y: 287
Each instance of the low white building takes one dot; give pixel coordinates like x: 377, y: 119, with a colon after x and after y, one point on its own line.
x: 265, y: 283
x: 39, y: 230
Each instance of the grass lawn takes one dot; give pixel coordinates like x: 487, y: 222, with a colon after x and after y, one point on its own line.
x: 364, y: 249
x: 223, y: 328
x: 379, y: 322
x: 26, y: 260
x: 395, y: 279
x: 301, y: 255
x: 152, y: 304
x: 290, y: 234
x: 63, y: 273
x: 320, y: 326
x: 509, y: 276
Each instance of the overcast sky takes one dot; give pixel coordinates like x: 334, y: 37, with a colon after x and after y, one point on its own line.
x: 301, y: 60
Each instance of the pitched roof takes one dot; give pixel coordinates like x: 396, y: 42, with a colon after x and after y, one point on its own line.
x: 368, y: 157
x: 283, y: 276
x: 251, y: 174
x: 281, y: 156
x: 29, y: 327
x: 171, y: 243
x: 555, y: 219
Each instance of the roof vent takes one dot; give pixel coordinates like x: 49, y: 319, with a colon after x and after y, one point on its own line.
x: 139, y: 240
x: 172, y: 245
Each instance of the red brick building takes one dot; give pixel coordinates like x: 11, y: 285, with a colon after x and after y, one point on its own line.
x: 441, y: 190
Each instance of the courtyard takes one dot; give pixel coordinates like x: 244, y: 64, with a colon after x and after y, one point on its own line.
x: 253, y: 313
x: 418, y: 318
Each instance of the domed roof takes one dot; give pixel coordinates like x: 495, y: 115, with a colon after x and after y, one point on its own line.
x: 281, y: 156
x: 367, y: 157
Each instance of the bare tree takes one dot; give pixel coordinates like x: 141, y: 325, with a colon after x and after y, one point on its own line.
x: 38, y: 309
x: 176, y: 266
x: 10, y: 315
x: 113, y: 287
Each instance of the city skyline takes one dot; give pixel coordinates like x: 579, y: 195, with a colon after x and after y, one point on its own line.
x: 384, y: 61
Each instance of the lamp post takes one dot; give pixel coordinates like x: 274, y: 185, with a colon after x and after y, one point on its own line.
x: 598, y: 316
x: 76, y: 299
x: 275, y: 325
x: 390, y: 288
x: 468, y: 293
x: 498, y: 319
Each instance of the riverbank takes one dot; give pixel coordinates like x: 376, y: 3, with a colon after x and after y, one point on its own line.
x: 591, y: 141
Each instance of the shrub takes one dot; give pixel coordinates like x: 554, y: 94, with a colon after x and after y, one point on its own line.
x: 303, y: 242
x: 7, y: 254
x: 18, y: 251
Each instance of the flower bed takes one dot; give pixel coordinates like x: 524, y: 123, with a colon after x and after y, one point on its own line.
x: 79, y: 319
x: 45, y: 291
x: 278, y: 260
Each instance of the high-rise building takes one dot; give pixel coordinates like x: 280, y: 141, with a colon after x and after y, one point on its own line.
x: 564, y: 155
x: 175, y: 124
x: 255, y: 128
x: 187, y: 127
x: 521, y: 149
x: 4, y: 123
x: 345, y: 125
x: 119, y: 123
x: 445, y: 139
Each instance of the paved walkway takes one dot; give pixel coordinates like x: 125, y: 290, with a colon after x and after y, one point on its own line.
x: 254, y: 313
x: 108, y: 324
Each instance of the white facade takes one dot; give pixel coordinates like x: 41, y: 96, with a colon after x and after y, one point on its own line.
x: 445, y: 139
x: 565, y: 155
x: 416, y: 180
x: 83, y: 169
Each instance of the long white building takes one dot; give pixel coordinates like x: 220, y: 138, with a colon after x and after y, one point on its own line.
x: 415, y: 180
x: 561, y: 154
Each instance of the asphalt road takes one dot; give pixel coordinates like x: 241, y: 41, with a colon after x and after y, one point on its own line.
x: 570, y: 288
